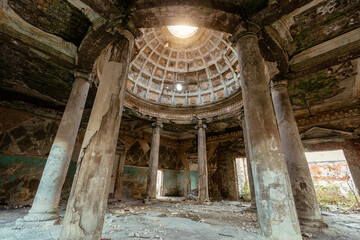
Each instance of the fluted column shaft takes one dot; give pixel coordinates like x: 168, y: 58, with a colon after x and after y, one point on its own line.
x: 274, y: 199
x: 202, y: 163
x: 297, y: 165
x: 45, y: 205
x: 84, y: 217
x: 154, y: 162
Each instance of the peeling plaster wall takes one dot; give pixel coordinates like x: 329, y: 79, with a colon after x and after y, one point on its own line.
x: 25, y: 142
x: 181, y: 182
x: 351, y: 148
x: 20, y: 177
x: 330, y: 171
x: 223, y: 177
x: 170, y: 183
x: 139, y: 155
x: 134, y: 182
x: 174, y: 183
x: 24, y: 134
x: 194, y: 179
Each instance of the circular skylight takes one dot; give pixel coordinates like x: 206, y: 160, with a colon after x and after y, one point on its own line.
x: 182, y: 31
x: 178, y: 87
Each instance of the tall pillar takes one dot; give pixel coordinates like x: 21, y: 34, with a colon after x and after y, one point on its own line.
x: 274, y: 199
x: 248, y: 160
x: 45, y: 205
x: 188, y: 182
x: 84, y: 217
x: 202, y: 163
x: 119, y: 175
x: 351, y: 148
x: 297, y: 165
x: 154, y: 162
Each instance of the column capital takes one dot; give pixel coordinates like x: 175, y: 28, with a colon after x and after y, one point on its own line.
x: 278, y: 84
x: 243, y: 29
x: 89, y: 77
x: 200, y: 124
x: 157, y: 124
x: 124, y: 25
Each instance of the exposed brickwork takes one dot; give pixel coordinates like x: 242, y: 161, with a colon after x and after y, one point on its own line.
x: 222, y: 179
x: 54, y: 16
x: 351, y: 148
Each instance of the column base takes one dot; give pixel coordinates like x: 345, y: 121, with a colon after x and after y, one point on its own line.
x: 150, y: 200
x: 252, y: 208
x: 41, y: 216
x: 206, y: 201
x: 312, y: 225
x: 21, y: 222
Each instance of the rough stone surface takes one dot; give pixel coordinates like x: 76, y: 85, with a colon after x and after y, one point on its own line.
x: 202, y: 164
x: 84, y: 217
x: 351, y: 152
x: 302, y: 186
x: 47, y: 197
x: 275, y: 205
x: 153, y: 163
x: 222, y: 180
x: 54, y: 16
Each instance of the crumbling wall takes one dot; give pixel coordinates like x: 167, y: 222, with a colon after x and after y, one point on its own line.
x: 351, y: 148
x: 170, y: 183
x: 168, y: 159
x: 222, y: 177
x: 20, y: 177
x: 134, y: 182
x: 194, y: 179
x: 25, y: 142
x: 24, y: 134
x: 181, y: 182
x: 330, y: 171
x: 136, y: 170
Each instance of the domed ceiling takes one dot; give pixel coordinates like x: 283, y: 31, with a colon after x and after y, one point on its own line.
x: 183, y: 70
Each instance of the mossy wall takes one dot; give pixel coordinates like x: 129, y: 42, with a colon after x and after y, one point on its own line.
x: 325, y: 21
x: 57, y: 17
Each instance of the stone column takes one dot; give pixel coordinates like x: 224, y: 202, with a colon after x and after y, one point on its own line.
x: 302, y: 185
x: 45, y: 205
x: 248, y: 160
x: 119, y: 176
x: 188, y: 182
x: 351, y: 148
x: 274, y: 199
x: 154, y: 162
x: 84, y: 217
x: 202, y: 163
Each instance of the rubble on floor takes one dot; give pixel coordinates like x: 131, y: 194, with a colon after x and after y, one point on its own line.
x: 175, y: 218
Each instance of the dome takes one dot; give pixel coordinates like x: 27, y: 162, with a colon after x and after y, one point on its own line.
x: 191, y: 70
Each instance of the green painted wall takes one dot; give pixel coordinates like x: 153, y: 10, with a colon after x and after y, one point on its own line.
x: 134, y: 182
x: 181, y: 182
x: 20, y: 177
x: 194, y: 179
x: 170, y: 183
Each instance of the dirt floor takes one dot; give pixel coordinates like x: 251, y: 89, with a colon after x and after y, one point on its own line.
x: 175, y: 218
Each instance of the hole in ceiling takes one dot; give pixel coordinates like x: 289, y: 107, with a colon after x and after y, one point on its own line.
x: 179, y: 87
x: 182, y: 31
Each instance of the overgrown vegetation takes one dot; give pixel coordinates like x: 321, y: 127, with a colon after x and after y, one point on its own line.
x: 331, y: 198
x: 246, y: 190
